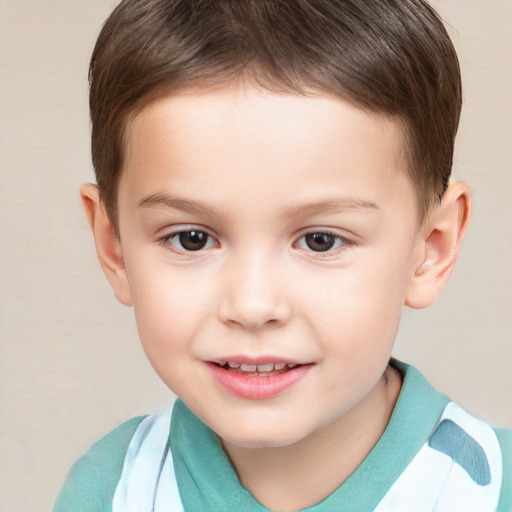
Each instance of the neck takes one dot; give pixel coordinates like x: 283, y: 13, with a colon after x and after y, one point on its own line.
x: 300, y: 475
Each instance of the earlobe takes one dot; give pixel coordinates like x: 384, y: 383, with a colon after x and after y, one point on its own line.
x: 440, y: 243
x: 108, y: 246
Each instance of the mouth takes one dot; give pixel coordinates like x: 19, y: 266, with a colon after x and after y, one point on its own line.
x: 258, y: 380
x: 256, y: 370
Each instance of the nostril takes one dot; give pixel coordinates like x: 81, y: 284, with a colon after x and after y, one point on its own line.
x: 253, y: 322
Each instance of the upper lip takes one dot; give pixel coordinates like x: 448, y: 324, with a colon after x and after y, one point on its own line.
x: 257, y: 360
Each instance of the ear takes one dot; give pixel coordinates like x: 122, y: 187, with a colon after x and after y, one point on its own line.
x: 440, y: 241
x: 108, y: 245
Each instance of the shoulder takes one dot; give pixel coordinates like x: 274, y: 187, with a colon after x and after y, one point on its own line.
x: 505, y: 440
x: 482, y: 451
x: 91, y: 481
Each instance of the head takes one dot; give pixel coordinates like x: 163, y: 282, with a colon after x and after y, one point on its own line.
x: 272, y: 190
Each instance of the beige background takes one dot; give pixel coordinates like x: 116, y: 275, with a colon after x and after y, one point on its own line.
x: 71, y: 367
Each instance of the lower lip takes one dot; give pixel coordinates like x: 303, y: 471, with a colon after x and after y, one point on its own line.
x: 257, y: 388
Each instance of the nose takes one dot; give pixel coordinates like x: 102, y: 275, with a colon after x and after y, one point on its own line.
x: 254, y: 294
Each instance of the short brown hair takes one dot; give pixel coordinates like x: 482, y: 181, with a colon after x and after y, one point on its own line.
x: 387, y: 56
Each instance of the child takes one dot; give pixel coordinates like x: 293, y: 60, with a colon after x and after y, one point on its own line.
x: 272, y: 189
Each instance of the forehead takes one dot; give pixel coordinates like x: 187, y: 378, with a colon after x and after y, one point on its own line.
x: 259, y: 142
x: 238, y: 108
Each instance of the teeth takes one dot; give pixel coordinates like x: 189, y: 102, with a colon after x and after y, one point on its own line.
x: 248, y: 367
x: 265, y: 367
x: 262, y: 368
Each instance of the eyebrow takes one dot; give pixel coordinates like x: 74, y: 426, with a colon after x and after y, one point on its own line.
x: 177, y: 203
x: 335, y: 205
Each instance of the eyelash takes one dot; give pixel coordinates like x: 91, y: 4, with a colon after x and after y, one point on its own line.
x: 167, y: 241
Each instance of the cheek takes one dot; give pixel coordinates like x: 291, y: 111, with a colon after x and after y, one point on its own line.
x: 168, y: 311
x: 167, y: 322
x: 359, y: 308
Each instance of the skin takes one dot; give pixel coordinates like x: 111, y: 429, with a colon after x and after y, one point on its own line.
x: 256, y: 171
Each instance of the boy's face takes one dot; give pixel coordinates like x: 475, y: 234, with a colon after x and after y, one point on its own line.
x: 260, y: 228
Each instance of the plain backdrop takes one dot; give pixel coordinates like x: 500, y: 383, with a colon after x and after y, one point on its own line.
x: 70, y: 363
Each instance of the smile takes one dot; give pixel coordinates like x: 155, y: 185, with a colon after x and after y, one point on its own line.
x: 257, y: 381
x: 257, y: 370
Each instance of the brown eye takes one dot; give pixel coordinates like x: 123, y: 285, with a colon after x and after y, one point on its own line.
x: 191, y: 240
x: 321, y: 242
